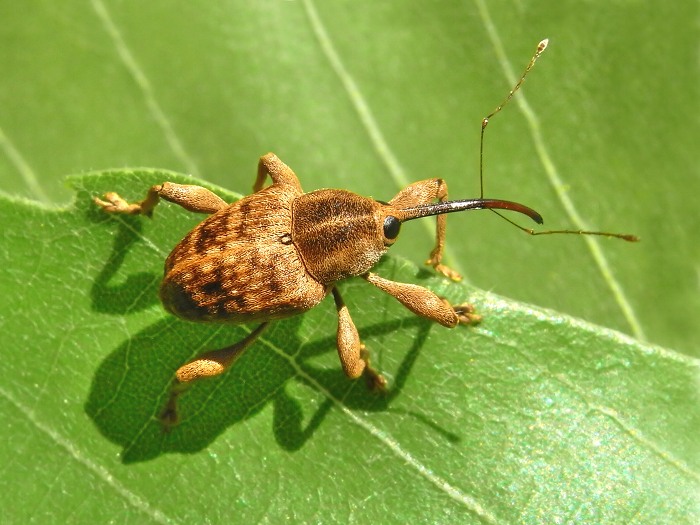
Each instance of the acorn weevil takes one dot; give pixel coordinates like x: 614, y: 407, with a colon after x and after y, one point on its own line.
x: 279, y: 251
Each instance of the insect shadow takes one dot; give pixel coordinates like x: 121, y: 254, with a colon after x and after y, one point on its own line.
x: 131, y: 386
x: 138, y: 291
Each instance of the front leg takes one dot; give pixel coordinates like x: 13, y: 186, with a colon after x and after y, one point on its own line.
x: 425, y: 303
x: 193, y: 198
x: 424, y: 192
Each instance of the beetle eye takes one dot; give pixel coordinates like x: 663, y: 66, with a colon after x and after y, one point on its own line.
x: 391, y: 227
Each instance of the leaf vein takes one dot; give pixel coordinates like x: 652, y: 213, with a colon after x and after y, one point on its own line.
x: 23, y: 167
x: 639, y: 437
x: 385, y: 438
x: 139, y: 77
x: 98, y: 470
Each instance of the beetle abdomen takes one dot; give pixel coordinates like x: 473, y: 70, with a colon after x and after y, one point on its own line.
x: 239, y: 265
x: 241, y: 285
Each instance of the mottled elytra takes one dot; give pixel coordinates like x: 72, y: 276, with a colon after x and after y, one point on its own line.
x: 279, y: 251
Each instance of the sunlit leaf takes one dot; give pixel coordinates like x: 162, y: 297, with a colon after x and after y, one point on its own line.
x: 530, y: 417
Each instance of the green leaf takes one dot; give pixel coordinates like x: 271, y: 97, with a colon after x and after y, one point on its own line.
x: 530, y: 417
x: 369, y: 96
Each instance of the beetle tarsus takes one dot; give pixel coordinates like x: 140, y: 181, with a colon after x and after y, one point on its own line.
x: 444, y: 270
x: 114, y: 203
x: 376, y: 382
x: 466, y: 314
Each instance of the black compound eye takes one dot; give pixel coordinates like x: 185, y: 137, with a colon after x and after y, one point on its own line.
x: 392, y: 226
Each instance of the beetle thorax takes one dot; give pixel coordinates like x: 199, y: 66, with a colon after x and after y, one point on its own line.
x: 337, y: 233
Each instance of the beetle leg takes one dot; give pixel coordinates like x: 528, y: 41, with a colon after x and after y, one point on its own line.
x: 208, y: 364
x: 424, y: 192
x: 191, y: 197
x: 278, y: 171
x: 425, y: 303
x: 353, y: 355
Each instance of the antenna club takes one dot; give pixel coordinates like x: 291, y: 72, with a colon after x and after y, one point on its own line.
x: 542, y: 45
x: 484, y: 122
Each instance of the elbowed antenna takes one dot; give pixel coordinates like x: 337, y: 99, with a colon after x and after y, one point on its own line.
x: 425, y: 210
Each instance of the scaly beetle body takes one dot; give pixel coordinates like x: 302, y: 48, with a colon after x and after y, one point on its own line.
x: 241, y: 265
x: 280, y: 251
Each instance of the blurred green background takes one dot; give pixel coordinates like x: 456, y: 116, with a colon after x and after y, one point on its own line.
x: 371, y: 95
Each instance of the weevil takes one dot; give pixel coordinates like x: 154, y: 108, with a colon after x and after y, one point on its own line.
x: 279, y: 251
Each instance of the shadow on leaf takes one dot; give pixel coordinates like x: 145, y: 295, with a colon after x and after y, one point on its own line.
x: 138, y: 291
x: 131, y: 386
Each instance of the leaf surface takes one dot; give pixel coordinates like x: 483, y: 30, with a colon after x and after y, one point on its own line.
x: 530, y: 417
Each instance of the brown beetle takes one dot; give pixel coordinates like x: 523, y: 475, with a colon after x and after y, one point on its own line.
x: 279, y: 251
